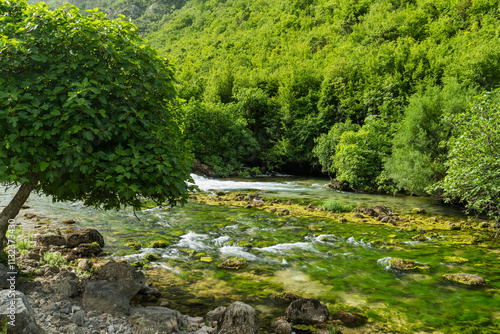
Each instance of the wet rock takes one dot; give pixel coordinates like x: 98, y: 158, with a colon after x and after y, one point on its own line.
x: 88, y: 250
x: 69, y: 221
x: 287, y: 296
x: 343, y: 220
x: 234, y: 263
x: 455, y: 259
x: 307, y: 311
x: 485, y: 225
x: 465, y: 279
x: 285, y: 212
x: 338, y: 185
x: 16, y: 310
x: 149, y: 320
x: 382, y: 210
x: 50, y: 240
x: 350, y: 319
x: 403, y: 264
x: 238, y: 318
x: 84, y: 236
x: 105, y: 297
x: 358, y: 215
x: 419, y: 237
x: 127, y: 278
x: 419, y: 210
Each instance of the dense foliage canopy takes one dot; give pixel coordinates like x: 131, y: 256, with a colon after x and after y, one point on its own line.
x: 87, y: 109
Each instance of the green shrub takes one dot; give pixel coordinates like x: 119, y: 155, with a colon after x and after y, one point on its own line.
x: 336, y: 206
x: 53, y: 259
x: 219, y: 135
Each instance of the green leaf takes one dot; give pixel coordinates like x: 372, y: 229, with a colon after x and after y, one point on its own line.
x: 44, y: 165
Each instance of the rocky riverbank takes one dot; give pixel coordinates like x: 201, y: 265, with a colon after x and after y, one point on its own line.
x: 84, y: 298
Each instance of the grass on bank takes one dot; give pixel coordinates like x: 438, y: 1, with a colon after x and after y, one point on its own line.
x: 336, y: 206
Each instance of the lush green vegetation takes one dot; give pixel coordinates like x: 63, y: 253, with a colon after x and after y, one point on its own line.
x: 88, y: 111
x: 362, y: 90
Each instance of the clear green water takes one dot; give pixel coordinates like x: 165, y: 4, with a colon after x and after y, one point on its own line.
x: 336, y: 263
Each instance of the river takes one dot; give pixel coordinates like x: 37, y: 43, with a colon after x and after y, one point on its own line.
x: 343, y: 265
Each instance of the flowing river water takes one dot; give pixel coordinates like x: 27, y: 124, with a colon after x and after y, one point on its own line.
x: 343, y: 265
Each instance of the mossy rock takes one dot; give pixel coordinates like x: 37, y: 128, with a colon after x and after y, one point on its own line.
x: 403, y: 264
x: 455, y: 259
x: 207, y: 259
x: 418, y: 210
x: 244, y: 243
x: 134, y: 245
x: 419, y: 237
x: 233, y: 263
x: 465, y: 279
x: 158, y: 244
x: 138, y: 264
x: 187, y: 251
x: 152, y: 257
x: 200, y: 255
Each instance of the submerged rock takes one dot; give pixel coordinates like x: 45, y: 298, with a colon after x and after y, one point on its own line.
x: 350, y: 319
x: 286, y: 296
x: 307, y: 311
x: 419, y: 210
x: 238, y: 318
x: 455, y: 259
x: 466, y: 279
x: 234, y: 263
x: 402, y: 264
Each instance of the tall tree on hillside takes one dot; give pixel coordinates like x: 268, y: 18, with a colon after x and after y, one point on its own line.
x: 87, y: 111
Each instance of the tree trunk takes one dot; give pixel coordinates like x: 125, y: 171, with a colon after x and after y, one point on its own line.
x: 12, y: 209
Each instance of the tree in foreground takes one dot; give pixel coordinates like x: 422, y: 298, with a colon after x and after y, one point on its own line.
x: 87, y: 112
x: 473, y: 165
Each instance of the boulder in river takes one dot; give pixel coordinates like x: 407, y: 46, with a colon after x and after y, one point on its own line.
x: 350, y: 319
x: 307, y: 311
x: 403, y: 264
x: 465, y: 279
x: 238, y: 318
x: 234, y: 263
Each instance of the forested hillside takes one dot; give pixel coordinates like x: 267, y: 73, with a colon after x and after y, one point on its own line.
x: 368, y: 91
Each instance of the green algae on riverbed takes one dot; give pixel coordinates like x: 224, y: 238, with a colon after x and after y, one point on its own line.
x: 312, y: 254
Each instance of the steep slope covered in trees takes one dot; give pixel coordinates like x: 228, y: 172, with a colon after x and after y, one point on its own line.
x: 361, y: 89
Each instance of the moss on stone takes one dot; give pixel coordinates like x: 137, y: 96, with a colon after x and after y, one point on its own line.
x: 151, y: 257
x: 465, y: 279
x: 455, y: 259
